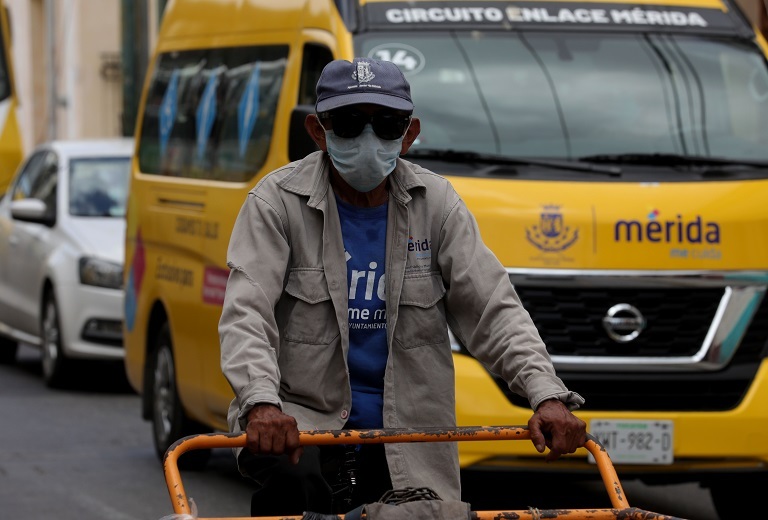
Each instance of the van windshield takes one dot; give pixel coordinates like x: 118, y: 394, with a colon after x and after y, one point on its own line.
x: 572, y: 95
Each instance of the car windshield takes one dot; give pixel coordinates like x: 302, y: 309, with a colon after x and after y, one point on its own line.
x: 574, y: 95
x: 98, y: 187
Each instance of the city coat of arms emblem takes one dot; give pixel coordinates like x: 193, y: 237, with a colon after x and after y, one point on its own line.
x: 551, y: 234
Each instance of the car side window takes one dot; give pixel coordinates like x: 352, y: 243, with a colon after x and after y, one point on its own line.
x: 29, y: 181
x: 38, y: 180
x: 46, y: 186
x: 28, y: 176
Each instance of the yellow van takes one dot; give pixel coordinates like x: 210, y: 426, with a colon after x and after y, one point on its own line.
x: 615, y: 155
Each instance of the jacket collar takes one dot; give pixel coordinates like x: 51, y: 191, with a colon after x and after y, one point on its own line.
x: 311, y: 178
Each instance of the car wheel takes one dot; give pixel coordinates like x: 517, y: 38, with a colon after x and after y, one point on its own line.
x: 55, y: 363
x: 734, y: 497
x: 169, y: 422
x: 8, y: 348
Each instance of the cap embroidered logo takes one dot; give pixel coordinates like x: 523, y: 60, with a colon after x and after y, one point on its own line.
x: 363, y: 73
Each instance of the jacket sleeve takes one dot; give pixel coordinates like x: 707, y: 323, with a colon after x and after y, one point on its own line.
x: 486, y: 315
x: 257, y: 256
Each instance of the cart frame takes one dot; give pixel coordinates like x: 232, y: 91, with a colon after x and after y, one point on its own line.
x: 620, y: 506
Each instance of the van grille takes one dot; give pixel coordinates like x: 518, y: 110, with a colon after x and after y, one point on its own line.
x: 655, y: 391
x: 570, y: 320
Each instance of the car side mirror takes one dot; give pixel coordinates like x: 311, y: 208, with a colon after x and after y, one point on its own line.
x: 31, y: 210
x: 300, y: 144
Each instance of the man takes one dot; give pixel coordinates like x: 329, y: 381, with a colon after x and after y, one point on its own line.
x: 346, y: 269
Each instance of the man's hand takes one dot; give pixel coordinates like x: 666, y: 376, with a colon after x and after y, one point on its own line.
x: 555, y: 427
x: 271, y: 432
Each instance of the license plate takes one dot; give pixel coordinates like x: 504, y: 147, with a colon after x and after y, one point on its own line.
x: 635, y: 442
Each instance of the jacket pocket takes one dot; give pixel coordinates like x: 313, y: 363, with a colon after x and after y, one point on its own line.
x: 421, y: 319
x: 308, y: 310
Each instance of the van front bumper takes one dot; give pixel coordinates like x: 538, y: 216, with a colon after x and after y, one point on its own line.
x: 723, y: 441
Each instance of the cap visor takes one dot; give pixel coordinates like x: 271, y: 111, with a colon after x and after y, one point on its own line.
x: 358, y: 98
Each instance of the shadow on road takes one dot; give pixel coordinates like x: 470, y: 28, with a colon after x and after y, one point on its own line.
x: 499, y: 491
x: 517, y: 491
x: 88, y: 376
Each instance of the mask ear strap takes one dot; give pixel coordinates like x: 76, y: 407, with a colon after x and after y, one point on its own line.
x: 325, y: 132
x: 410, y: 119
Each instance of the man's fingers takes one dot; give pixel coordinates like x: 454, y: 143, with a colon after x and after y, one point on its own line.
x: 575, y: 441
x: 537, y: 438
x: 252, y: 440
x: 270, y: 431
x: 265, y: 442
x: 296, y: 454
x: 292, y: 446
x: 574, y: 438
x: 553, y: 455
x: 292, y: 439
x: 278, y: 442
x: 561, y: 445
x: 553, y: 426
x: 567, y: 442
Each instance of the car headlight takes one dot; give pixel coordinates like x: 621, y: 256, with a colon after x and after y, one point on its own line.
x: 101, y: 273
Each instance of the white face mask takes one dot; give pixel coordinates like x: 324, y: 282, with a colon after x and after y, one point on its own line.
x: 363, y: 161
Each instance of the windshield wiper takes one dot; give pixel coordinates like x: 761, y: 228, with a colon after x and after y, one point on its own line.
x: 470, y: 157
x: 671, y: 159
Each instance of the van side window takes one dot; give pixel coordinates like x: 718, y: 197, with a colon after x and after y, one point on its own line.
x: 315, y: 58
x: 209, y: 113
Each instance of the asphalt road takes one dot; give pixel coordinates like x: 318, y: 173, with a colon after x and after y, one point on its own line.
x: 84, y: 453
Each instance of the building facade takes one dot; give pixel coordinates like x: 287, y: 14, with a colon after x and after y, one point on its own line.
x: 757, y: 11
x: 70, y: 59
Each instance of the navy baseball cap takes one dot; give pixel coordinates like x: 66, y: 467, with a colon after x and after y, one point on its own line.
x: 363, y: 80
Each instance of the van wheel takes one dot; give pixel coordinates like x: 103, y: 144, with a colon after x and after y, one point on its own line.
x: 55, y: 363
x: 8, y: 348
x: 734, y: 496
x: 169, y: 422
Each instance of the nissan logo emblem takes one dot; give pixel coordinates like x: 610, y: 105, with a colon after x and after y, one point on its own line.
x: 623, y: 323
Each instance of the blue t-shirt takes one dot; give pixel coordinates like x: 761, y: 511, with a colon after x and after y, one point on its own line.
x: 364, y: 232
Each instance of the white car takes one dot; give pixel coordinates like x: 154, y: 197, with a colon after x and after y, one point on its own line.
x: 62, y: 230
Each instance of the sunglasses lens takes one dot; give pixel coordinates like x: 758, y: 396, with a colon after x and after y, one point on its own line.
x: 348, y: 124
x: 389, y: 126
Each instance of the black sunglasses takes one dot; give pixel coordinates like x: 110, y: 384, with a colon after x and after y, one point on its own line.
x: 348, y: 123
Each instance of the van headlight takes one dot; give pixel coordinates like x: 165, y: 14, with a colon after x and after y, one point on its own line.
x: 101, y: 273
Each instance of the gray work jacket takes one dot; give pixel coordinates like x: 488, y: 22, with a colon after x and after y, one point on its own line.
x: 284, y: 327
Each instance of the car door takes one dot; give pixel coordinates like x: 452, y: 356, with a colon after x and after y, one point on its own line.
x: 29, y: 243
x: 8, y: 241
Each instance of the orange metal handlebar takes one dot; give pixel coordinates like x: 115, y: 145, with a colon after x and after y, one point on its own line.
x: 331, y: 437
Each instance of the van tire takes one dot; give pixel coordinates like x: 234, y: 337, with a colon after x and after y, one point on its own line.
x: 8, y: 349
x: 735, y: 496
x: 169, y: 422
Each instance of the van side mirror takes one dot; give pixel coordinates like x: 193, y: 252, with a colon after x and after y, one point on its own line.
x: 31, y: 210
x: 299, y: 143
